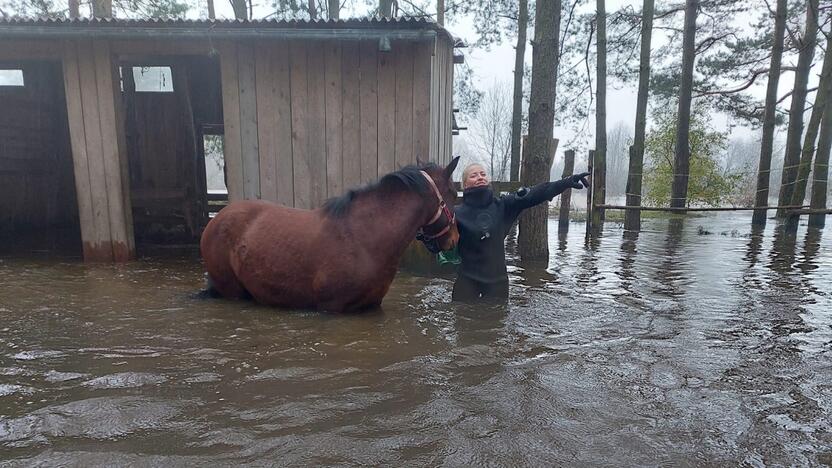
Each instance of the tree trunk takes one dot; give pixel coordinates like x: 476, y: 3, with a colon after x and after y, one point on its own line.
x: 440, y: 12
x: 820, y: 173
x: 533, y: 239
x: 312, y: 9
x: 801, y: 78
x: 681, y: 164
x: 385, y: 8
x: 240, y: 10
x: 102, y: 8
x: 599, y: 179
x: 74, y: 10
x: 334, y: 9
x: 767, y: 143
x: 632, y: 218
x: 517, y: 112
x: 808, y: 152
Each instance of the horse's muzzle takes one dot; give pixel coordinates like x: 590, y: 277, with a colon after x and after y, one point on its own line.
x: 432, y: 244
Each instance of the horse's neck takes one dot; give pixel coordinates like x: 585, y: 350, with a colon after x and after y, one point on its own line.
x: 388, y: 223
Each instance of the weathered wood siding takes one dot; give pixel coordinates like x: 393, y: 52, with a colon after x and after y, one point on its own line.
x: 442, y: 101
x: 91, y: 97
x: 305, y: 121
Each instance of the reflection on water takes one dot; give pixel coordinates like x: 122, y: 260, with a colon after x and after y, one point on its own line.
x: 695, y: 341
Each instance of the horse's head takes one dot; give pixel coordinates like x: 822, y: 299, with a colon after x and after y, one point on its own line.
x: 439, y: 231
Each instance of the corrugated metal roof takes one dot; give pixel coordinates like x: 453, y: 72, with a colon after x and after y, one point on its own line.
x: 374, y: 22
x: 32, y: 27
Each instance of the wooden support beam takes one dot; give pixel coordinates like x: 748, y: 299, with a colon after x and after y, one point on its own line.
x: 90, y: 87
x: 113, y: 157
x: 14, y: 50
x: 248, y: 120
x: 232, y: 140
x: 153, y: 48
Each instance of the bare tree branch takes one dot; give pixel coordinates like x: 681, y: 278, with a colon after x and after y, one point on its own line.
x: 754, y: 75
x: 586, y: 58
x: 668, y: 28
x: 422, y: 13
x: 790, y: 93
x: 710, y: 41
x: 669, y: 12
x: 566, y: 28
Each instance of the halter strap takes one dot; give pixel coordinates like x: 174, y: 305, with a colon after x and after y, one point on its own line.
x: 442, y: 208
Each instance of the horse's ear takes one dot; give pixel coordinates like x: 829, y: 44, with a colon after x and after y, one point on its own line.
x: 450, y: 168
x: 419, y: 162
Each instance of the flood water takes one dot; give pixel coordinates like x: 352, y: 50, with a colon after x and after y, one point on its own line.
x: 695, y: 344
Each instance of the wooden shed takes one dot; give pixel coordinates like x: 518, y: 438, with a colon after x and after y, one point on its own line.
x: 94, y: 149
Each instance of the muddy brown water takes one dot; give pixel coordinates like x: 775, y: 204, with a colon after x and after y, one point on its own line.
x: 678, y: 348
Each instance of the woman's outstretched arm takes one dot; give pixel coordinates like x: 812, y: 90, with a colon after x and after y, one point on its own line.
x: 529, y: 197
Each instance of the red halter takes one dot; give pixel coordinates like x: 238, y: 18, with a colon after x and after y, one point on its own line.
x: 440, y: 210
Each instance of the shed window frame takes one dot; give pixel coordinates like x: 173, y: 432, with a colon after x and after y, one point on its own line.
x: 135, y: 69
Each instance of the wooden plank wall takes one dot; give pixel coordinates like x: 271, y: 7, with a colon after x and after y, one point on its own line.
x: 232, y: 139
x: 368, y: 110
x: 303, y: 121
x: 98, y: 159
x: 422, y: 89
x: 312, y: 119
x: 442, y: 101
x: 36, y: 182
x: 448, y: 104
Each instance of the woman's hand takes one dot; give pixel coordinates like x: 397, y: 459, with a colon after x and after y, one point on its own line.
x: 576, y: 180
x: 529, y: 197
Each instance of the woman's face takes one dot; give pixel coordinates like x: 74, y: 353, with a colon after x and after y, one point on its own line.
x: 475, y: 177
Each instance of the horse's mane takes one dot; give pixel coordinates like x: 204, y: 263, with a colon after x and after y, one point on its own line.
x: 410, y: 176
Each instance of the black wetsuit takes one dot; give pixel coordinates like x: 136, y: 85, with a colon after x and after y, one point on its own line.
x: 484, y: 222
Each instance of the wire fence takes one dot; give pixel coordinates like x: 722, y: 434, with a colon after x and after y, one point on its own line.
x: 757, y: 172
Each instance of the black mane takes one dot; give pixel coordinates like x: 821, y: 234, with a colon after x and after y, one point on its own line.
x: 410, y: 176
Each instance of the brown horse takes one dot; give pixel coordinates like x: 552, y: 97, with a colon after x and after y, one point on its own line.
x: 341, y: 257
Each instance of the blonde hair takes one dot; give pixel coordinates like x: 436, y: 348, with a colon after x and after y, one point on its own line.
x: 467, y: 171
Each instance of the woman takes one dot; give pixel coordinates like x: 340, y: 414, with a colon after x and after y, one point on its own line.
x: 484, y: 221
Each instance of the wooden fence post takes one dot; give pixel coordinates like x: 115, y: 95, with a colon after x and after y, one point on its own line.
x: 589, y: 193
x: 632, y: 218
x: 566, y: 196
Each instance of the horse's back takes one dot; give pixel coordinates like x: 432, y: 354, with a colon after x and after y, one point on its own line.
x: 256, y: 248
x: 229, y: 225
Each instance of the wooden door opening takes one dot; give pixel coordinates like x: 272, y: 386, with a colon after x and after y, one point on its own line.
x: 38, y: 205
x: 169, y: 103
